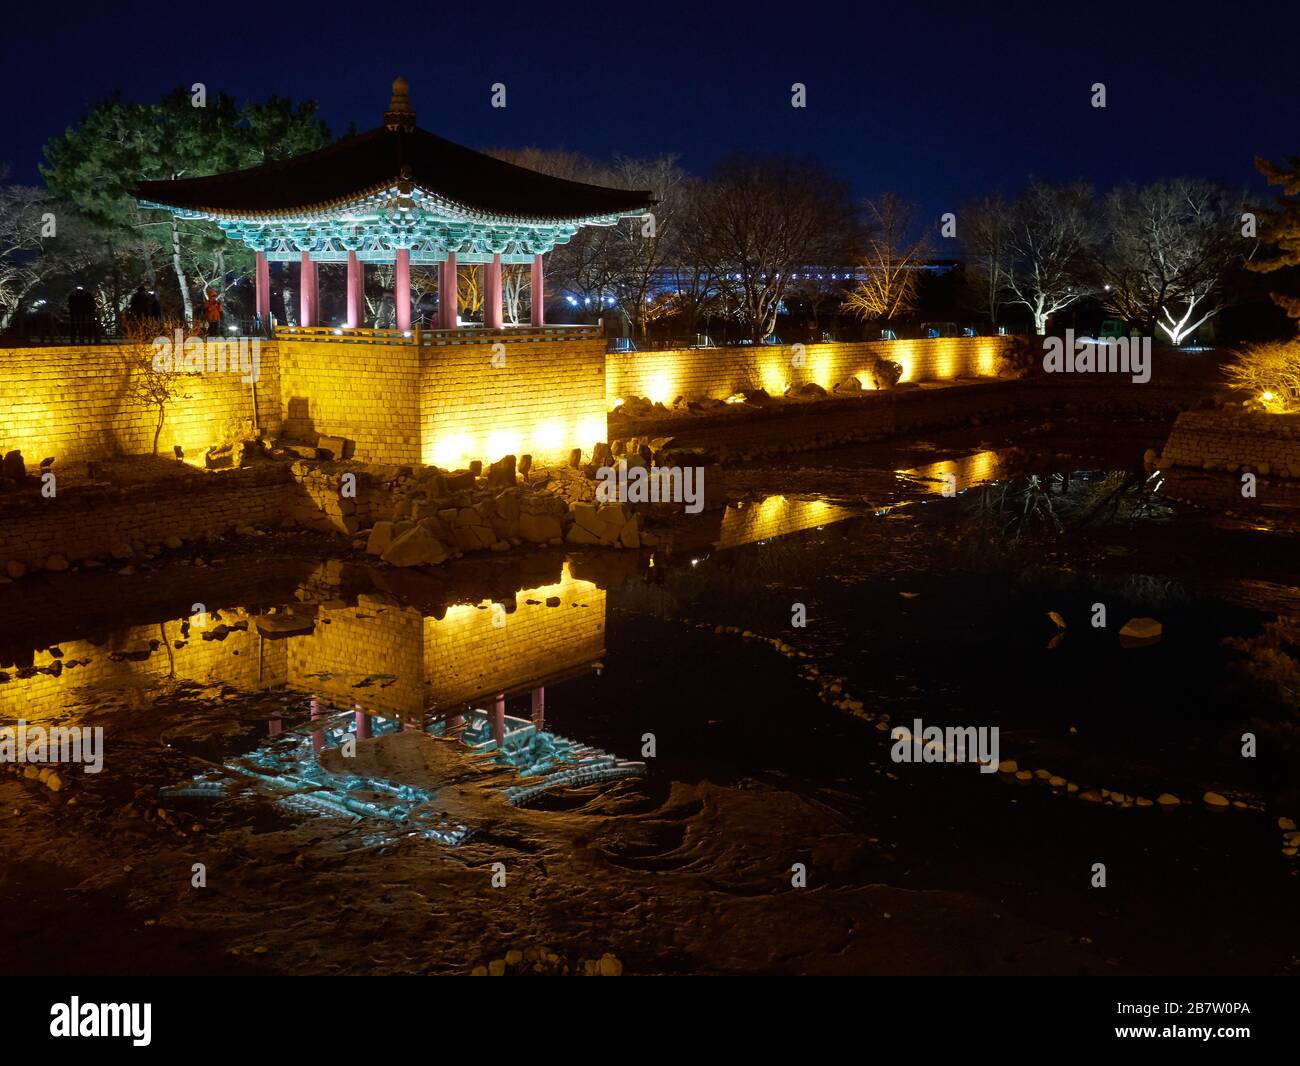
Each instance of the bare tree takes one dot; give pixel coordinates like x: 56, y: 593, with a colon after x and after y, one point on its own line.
x: 762, y: 218
x: 984, y: 230
x: 1168, y: 248
x: 893, y: 252
x: 39, y: 240
x: 1048, y: 242
x: 155, y: 376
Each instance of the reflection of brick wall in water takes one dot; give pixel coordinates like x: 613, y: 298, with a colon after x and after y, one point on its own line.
x: 238, y: 661
x: 774, y: 516
x: 718, y: 372
x: 352, y: 643
x: 470, y: 658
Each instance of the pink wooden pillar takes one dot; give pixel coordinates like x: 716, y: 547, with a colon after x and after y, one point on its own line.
x: 454, y: 722
x: 499, y: 719
x: 307, y: 291
x: 539, y: 706
x: 492, y: 313
x: 402, y: 288
x: 355, y: 295
x: 263, y: 283
x: 317, y: 735
x: 363, y: 722
x: 539, y: 295
x: 447, y: 298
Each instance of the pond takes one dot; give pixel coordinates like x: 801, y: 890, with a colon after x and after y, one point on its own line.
x: 728, y: 747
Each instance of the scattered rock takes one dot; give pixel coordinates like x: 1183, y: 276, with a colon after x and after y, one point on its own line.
x: 415, y: 547
x: 1142, y: 629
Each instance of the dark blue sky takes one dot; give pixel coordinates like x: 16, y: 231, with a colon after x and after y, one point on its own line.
x: 938, y: 101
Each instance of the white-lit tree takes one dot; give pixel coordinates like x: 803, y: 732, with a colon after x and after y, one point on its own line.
x: 1049, y: 235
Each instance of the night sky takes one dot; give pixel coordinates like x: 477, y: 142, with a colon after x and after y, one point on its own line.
x: 938, y: 101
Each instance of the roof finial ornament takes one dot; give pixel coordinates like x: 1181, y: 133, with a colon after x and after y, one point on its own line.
x: 399, y: 115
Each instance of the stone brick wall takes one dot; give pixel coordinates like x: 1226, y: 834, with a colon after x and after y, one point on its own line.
x: 1232, y: 439
x: 543, y: 400
x: 400, y: 403
x: 71, y: 403
x: 85, y: 523
x: 366, y: 392
x: 718, y: 372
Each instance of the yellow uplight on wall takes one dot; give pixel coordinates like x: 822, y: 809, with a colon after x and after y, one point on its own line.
x: 902, y: 353
x: 591, y: 431
x: 660, y: 387
x: 451, y: 452
x: 549, y: 436
x: 500, y: 444
x: 773, y: 376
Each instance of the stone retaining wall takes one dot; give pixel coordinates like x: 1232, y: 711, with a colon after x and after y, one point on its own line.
x: 1232, y: 439
x: 73, y: 403
x: 716, y: 373
x: 87, y: 523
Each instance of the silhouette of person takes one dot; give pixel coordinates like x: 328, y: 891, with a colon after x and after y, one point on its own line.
x: 82, y: 316
x: 138, y: 308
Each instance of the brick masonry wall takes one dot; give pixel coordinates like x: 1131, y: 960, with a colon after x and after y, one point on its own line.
x: 72, y: 403
x: 85, y: 523
x: 366, y: 392
x: 543, y: 400
x: 718, y: 372
x: 1232, y: 439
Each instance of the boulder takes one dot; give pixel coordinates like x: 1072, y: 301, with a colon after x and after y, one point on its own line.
x: 809, y: 389
x: 381, y: 537
x: 580, y: 535
x: 1144, y: 629
x: 539, y: 528
x: 13, y: 467
x: 336, y: 448
x: 416, y: 547
x: 459, y: 479
x: 501, y: 474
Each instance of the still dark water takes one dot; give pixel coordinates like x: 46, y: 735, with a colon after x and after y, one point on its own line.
x: 918, y: 605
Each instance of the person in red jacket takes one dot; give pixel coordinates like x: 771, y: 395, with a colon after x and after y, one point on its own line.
x: 212, y: 313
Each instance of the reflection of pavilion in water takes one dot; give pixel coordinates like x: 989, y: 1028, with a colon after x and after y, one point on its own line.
x: 364, y: 669
x: 410, y: 663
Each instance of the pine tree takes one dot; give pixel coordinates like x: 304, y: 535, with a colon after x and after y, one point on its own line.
x: 1281, y: 228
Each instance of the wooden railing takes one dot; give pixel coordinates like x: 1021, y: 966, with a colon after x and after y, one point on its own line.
x: 461, y: 335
